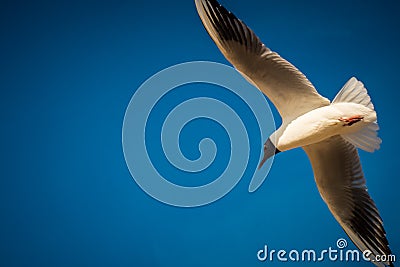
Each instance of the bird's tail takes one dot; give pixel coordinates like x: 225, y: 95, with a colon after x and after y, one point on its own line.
x: 366, y: 138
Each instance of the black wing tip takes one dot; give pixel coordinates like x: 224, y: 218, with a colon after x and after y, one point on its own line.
x: 215, y: 5
x: 226, y: 24
x: 230, y: 32
x: 369, y: 226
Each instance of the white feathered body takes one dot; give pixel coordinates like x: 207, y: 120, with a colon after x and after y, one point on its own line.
x: 324, y: 122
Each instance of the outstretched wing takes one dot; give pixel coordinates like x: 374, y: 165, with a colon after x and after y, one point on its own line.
x: 341, y: 183
x: 288, y: 89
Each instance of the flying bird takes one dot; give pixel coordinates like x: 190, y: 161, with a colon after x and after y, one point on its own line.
x: 329, y: 132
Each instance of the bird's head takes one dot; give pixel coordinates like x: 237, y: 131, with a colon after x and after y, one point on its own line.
x: 269, y: 151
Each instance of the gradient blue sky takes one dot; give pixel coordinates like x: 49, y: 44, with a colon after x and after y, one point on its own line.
x: 67, y: 72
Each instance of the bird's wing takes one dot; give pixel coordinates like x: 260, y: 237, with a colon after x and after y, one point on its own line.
x: 341, y: 183
x: 288, y: 89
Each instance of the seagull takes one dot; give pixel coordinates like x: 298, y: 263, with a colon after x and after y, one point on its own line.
x: 329, y: 132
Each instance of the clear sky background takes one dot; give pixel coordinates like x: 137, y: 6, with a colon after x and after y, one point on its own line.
x: 67, y: 72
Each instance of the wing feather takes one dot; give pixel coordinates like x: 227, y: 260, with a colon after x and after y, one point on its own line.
x: 288, y: 89
x: 341, y: 183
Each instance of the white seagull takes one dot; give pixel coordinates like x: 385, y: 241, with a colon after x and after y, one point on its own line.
x: 328, y: 132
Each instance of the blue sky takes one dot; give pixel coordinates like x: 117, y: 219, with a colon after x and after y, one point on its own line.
x: 68, y: 71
